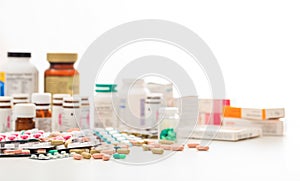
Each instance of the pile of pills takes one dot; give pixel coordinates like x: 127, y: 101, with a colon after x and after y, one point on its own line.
x: 51, y: 155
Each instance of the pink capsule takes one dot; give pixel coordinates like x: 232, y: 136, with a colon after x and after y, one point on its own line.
x: 202, y: 148
x: 37, y: 135
x: 177, y: 147
x: 166, y: 147
x: 11, y: 137
x: 24, y: 137
x: 109, y: 152
x: 3, y: 136
x: 66, y: 137
x: 98, y: 155
x: 77, y: 157
x: 106, y: 157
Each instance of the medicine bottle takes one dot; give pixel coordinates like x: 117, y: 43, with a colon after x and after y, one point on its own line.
x: 19, y: 75
x: 168, y: 122
x: 132, y: 103
x: 5, y: 114
x: 24, y: 114
x: 57, y: 111
x: 85, y: 113
x: 71, y: 113
x: 20, y: 99
x: 152, y: 105
x: 43, y: 112
x: 104, y: 101
x: 61, y: 77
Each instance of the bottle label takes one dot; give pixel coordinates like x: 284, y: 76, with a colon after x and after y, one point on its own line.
x: 2, y: 83
x: 5, y: 120
x: 20, y: 83
x: 43, y: 124
x: 62, y: 84
x: 57, y: 112
x: 85, y: 117
x: 70, y: 119
x: 104, y: 116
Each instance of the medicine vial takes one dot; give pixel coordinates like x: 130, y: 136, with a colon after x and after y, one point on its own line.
x: 85, y: 113
x: 42, y: 102
x: 168, y: 122
x: 5, y: 114
x: 61, y: 77
x: 57, y: 111
x: 105, y: 103
x: 20, y: 99
x: 24, y: 114
x: 132, y: 98
x: 152, y: 105
x: 18, y: 74
x: 71, y: 113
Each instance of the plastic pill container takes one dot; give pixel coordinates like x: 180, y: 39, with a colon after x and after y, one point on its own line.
x: 61, y: 77
x: 57, y: 111
x: 5, y: 114
x: 168, y: 122
x: 71, y: 113
x: 104, y: 101
x: 152, y: 105
x: 18, y: 74
x: 85, y: 113
x: 43, y: 111
x: 24, y: 114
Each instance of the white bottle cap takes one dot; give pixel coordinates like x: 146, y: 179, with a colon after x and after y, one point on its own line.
x: 24, y: 110
x: 5, y: 101
x: 60, y: 96
x: 41, y: 98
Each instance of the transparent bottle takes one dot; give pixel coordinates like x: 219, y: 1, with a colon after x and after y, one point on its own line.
x: 18, y: 74
x: 57, y: 111
x: 24, y: 114
x: 152, y: 105
x: 61, y: 77
x: 168, y: 123
x: 6, y: 114
x: 43, y: 119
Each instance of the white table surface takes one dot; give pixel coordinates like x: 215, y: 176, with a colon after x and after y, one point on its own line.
x: 267, y: 158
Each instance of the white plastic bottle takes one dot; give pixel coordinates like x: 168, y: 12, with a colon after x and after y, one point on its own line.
x: 43, y: 119
x: 152, y: 105
x: 105, y: 106
x: 5, y: 114
x: 57, y: 111
x: 132, y: 103
x: 85, y: 113
x: 71, y: 113
x: 20, y: 76
x: 168, y: 123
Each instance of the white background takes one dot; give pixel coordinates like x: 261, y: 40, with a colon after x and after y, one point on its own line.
x: 256, y: 42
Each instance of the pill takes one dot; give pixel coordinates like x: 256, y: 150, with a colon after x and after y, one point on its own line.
x: 157, y: 151
x: 119, y: 156
x: 106, y: 157
x: 63, y: 152
x: 155, y: 145
x: 77, y: 157
x: 166, y: 142
x: 166, y: 147
x: 41, y: 151
x: 52, y: 152
x: 123, y: 151
x: 57, y: 142
x: 177, y: 147
x: 24, y: 137
x: 97, y: 155
x: 109, y: 152
x: 26, y: 152
x: 33, y: 156
x: 78, y: 151
x: 145, y: 147
x: 192, y: 145
x: 94, y: 151
x: 202, y: 148
x: 86, y: 155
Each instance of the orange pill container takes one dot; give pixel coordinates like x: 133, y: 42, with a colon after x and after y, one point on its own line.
x: 61, y: 77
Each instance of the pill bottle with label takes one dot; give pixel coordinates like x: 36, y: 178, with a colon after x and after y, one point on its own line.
x: 24, y: 114
x: 104, y: 106
x: 18, y: 74
x: 5, y: 114
x: 152, y: 105
x: 43, y: 112
x: 71, y: 113
x: 57, y: 111
x: 85, y: 113
x: 168, y: 123
x: 61, y: 77
x: 132, y: 98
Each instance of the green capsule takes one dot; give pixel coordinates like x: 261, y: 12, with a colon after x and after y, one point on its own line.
x: 119, y: 156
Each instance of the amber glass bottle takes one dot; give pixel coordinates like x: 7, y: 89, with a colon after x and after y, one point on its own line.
x: 24, y: 114
x: 43, y: 119
x: 61, y: 77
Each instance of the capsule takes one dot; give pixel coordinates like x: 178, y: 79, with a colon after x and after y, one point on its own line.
x: 86, y: 155
x: 106, y: 157
x: 166, y: 147
x: 166, y: 142
x: 159, y: 151
x: 97, y: 155
x: 192, y: 145
x: 119, y: 156
x: 202, y: 148
x: 123, y: 151
x: 77, y: 157
x: 177, y: 147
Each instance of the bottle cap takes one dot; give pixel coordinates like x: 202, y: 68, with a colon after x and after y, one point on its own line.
x: 41, y: 98
x: 106, y: 88
x: 5, y: 101
x: 24, y: 110
x: 19, y: 54
x: 62, y: 57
